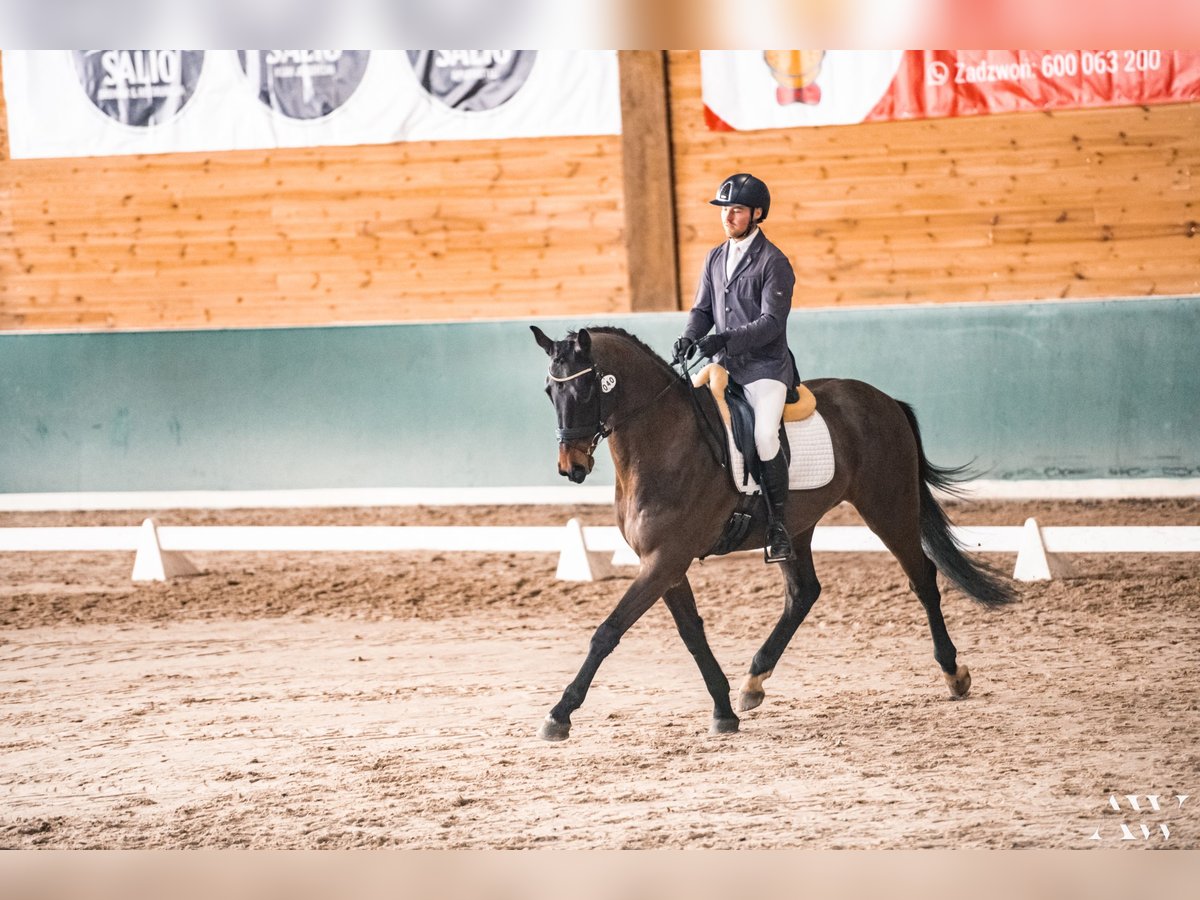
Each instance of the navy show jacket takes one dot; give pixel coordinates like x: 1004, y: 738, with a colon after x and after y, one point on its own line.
x: 751, y: 308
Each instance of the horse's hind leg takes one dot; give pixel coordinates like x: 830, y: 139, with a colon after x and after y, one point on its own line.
x: 904, y: 540
x: 682, y: 603
x: 803, y: 588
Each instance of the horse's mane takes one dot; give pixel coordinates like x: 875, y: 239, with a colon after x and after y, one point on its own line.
x: 635, y: 340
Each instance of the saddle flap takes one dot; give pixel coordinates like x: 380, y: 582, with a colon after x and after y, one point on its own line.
x: 741, y: 415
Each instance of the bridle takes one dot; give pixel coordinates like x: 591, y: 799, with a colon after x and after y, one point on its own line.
x: 600, y: 428
x: 570, y: 377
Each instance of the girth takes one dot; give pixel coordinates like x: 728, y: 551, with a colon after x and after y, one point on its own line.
x: 737, y: 528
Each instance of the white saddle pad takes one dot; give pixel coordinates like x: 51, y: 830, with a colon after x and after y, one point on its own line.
x: 812, y: 456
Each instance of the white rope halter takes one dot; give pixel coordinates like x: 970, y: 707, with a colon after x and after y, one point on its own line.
x: 569, y: 377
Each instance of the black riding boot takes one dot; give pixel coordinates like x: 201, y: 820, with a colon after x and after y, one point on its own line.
x: 775, y: 491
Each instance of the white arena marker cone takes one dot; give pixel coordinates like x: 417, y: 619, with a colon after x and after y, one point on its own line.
x: 1033, y: 562
x: 575, y: 563
x: 152, y: 563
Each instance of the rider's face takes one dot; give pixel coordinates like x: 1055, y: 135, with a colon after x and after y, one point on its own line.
x: 736, y: 220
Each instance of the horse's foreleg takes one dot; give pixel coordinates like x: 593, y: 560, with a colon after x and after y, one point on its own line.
x: 649, y: 585
x: 803, y: 588
x: 682, y: 603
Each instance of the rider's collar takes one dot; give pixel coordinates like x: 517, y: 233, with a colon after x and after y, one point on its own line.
x: 745, y: 242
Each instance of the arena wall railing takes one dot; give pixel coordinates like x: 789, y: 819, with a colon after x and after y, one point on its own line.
x: 582, y: 552
x: 1081, y: 393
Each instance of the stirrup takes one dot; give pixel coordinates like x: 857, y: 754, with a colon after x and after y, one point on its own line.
x: 777, y: 558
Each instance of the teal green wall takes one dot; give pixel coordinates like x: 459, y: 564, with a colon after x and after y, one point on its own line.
x: 1040, y: 390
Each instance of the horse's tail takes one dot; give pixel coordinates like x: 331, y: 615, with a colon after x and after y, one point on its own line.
x: 978, y: 581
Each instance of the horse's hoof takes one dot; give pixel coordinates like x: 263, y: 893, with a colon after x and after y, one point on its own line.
x: 724, y: 726
x: 554, y: 731
x: 959, y: 683
x: 748, y: 700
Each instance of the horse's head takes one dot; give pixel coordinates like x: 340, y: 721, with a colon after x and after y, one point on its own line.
x: 573, y: 385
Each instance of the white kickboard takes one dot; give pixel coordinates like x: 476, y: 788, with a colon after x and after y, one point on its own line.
x: 812, y: 456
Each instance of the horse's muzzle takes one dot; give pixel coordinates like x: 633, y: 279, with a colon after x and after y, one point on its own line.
x: 574, y: 463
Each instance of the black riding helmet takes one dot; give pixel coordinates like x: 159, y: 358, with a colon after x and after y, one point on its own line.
x: 744, y: 189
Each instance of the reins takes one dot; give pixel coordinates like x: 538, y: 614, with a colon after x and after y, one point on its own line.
x: 640, y: 409
x: 706, y: 427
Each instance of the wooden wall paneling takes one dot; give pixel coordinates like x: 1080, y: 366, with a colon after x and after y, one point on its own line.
x: 1085, y: 203
x: 8, y: 255
x: 415, y: 231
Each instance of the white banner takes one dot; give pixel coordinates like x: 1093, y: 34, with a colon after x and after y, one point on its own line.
x: 750, y: 89
x: 111, y: 102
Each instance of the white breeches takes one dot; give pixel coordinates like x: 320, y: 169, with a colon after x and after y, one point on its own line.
x: 768, y: 397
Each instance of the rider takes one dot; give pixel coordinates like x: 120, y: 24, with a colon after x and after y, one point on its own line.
x: 746, y: 293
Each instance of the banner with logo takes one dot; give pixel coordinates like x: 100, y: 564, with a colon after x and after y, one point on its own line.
x: 107, y: 102
x: 744, y: 90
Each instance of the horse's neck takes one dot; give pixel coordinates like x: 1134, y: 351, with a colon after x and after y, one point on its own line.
x: 655, y: 430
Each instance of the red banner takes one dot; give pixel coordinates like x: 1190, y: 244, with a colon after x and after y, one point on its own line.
x: 746, y: 90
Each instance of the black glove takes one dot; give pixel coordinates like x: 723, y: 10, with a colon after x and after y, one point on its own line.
x: 684, y: 348
x: 712, y: 344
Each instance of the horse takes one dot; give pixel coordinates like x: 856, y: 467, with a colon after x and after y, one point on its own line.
x: 674, y: 497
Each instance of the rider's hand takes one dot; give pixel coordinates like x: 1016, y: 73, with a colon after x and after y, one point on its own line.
x: 712, y: 344
x: 684, y: 348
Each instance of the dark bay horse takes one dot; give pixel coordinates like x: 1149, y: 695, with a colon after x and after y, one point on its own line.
x: 673, y: 498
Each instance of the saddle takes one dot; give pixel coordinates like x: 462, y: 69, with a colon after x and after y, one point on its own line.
x: 802, y: 429
x: 717, y: 378
x: 738, y: 415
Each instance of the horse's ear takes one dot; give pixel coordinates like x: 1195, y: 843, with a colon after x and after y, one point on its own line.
x: 583, y: 341
x: 544, y: 342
